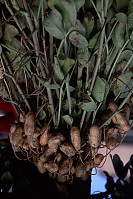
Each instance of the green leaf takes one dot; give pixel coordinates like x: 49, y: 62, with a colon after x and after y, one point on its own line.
x: 78, y: 40
x: 122, y: 5
x: 53, y: 24
x: 47, y: 84
x: 68, y: 119
x: 15, y: 3
x: 119, y: 66
x: 71, y: 88
x: 16, y: 56
x: 123, y: 81
x: 110, y: 13
x: 80, y: 28
x: 130, y: 22
x: 79, y: 84
x: 125, y: 92
x: 88, y: 106
x: 119, y: 35
x: 114, y: 88
x: 99, y: 89
x: 52, y: 3
x: 100, y: 5
x: 66, y: 106
x: 2, y: 1
x: 65, y: 63
x: 60, y: 7
x: 83, y: 56
x: 107, y: 89
x: 10, y: 32
x: 122, y: 17
x: 88, y: 23
x: 6, y: 181
x: 43, y: 115
x: 93, y: 40
x: 59, y: 76
x: 51, y: 86
x: 68, y: 9
x: 71, y: 9
x: 125, y: 55
x: 79, y: 4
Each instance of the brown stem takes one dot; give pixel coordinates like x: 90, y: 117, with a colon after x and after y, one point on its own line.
x: 14, y: 81
x: 17, y: 22
x: 37, y: 48
x: 34, y: 36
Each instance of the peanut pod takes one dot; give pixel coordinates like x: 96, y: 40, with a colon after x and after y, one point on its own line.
x: 80, y: 170
x: 98, y: 159
x: 94, y: 136
x: 29, y: 124
x: 67, y: 149
x: 75, y: 138
x: 119, y: 117
x: 40, y: 167
x: 65, y: 166
x: 54, y: 141
x: 44, y: 135
x: 51, y: 166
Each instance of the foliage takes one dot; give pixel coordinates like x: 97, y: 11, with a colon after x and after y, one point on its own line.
x: 77, y: 52
x: 66, y: 59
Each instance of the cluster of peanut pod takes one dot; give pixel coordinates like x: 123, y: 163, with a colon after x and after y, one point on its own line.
x: 68, y: 158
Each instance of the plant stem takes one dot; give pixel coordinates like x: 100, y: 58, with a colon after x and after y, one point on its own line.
x: 49, y: 90
x: 79, y: 75
x: 110, y: 61
x: 51, y: 48
x: 37, y: 48
x: 98, y: 59
x: 14, y: 81
x: 102, y: 19
x: 96, y: 11
x: 63, y: 40
x: 125, y: 99
x: 46, y: 63
x: 127, y: 64
x: 118, y: 111
x: 110, y: 34
x: 51, y: 105
x: 60, y: 100
x: 94, y: 75
x: 51, y: 55
x: 95, y: 112
x: 17, y: 22
x: 120, y: 51
x: 82, y: 119
x: 34, y: 36
x: 11, y: 84
x: 68, y: 95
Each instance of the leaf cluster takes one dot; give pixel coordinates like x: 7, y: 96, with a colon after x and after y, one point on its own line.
x: 64, y: 59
